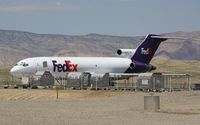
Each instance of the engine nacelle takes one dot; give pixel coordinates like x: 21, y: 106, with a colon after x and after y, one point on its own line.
x: 126, y: 53
x: 141, y: 67
x: 151, y: 67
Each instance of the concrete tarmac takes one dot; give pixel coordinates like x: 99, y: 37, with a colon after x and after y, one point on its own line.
x: 31, y: 107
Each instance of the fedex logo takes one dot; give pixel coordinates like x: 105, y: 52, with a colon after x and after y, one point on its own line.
x: 148, y: 51
x: 66, y: 67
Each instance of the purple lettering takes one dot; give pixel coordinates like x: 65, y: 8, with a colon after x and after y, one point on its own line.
x: 60, y: 68
x: 66, y: 67
x: 54, y: 65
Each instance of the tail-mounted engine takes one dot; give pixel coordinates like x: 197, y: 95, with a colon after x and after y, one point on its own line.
x: 126, y: 53
x: 141, y: 67
x: 151, y: 67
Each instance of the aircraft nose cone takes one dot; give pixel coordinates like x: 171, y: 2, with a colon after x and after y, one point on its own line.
x: 14, y: 71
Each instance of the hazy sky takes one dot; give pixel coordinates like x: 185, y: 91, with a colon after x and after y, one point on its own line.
x: 112, y: 17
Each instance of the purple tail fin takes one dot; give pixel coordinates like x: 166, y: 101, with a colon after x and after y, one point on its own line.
x: 146, y: 50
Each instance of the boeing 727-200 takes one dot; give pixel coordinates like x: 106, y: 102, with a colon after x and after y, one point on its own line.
x: 130, y: 61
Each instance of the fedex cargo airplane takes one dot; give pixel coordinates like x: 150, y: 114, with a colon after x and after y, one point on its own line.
x: 130, y: 61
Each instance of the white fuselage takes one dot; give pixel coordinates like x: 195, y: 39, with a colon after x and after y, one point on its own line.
x: 60, y: 66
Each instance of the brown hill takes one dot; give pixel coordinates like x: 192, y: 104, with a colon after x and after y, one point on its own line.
x: 16, y: 45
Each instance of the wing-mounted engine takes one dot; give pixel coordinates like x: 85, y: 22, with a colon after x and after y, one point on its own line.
x: 126, y: 53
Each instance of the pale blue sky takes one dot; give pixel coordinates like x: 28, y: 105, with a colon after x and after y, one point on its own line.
x: 111, y: 17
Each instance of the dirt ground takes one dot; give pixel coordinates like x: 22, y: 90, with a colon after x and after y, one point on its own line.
x: 40, y: 107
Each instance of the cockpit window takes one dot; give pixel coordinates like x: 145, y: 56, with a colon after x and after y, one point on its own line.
x: 24, y: 64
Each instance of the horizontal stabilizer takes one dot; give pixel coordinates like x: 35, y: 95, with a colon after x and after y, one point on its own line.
x: 168, y: 37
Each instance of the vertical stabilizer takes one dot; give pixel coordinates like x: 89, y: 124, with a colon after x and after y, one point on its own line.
x: 146, y: 50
